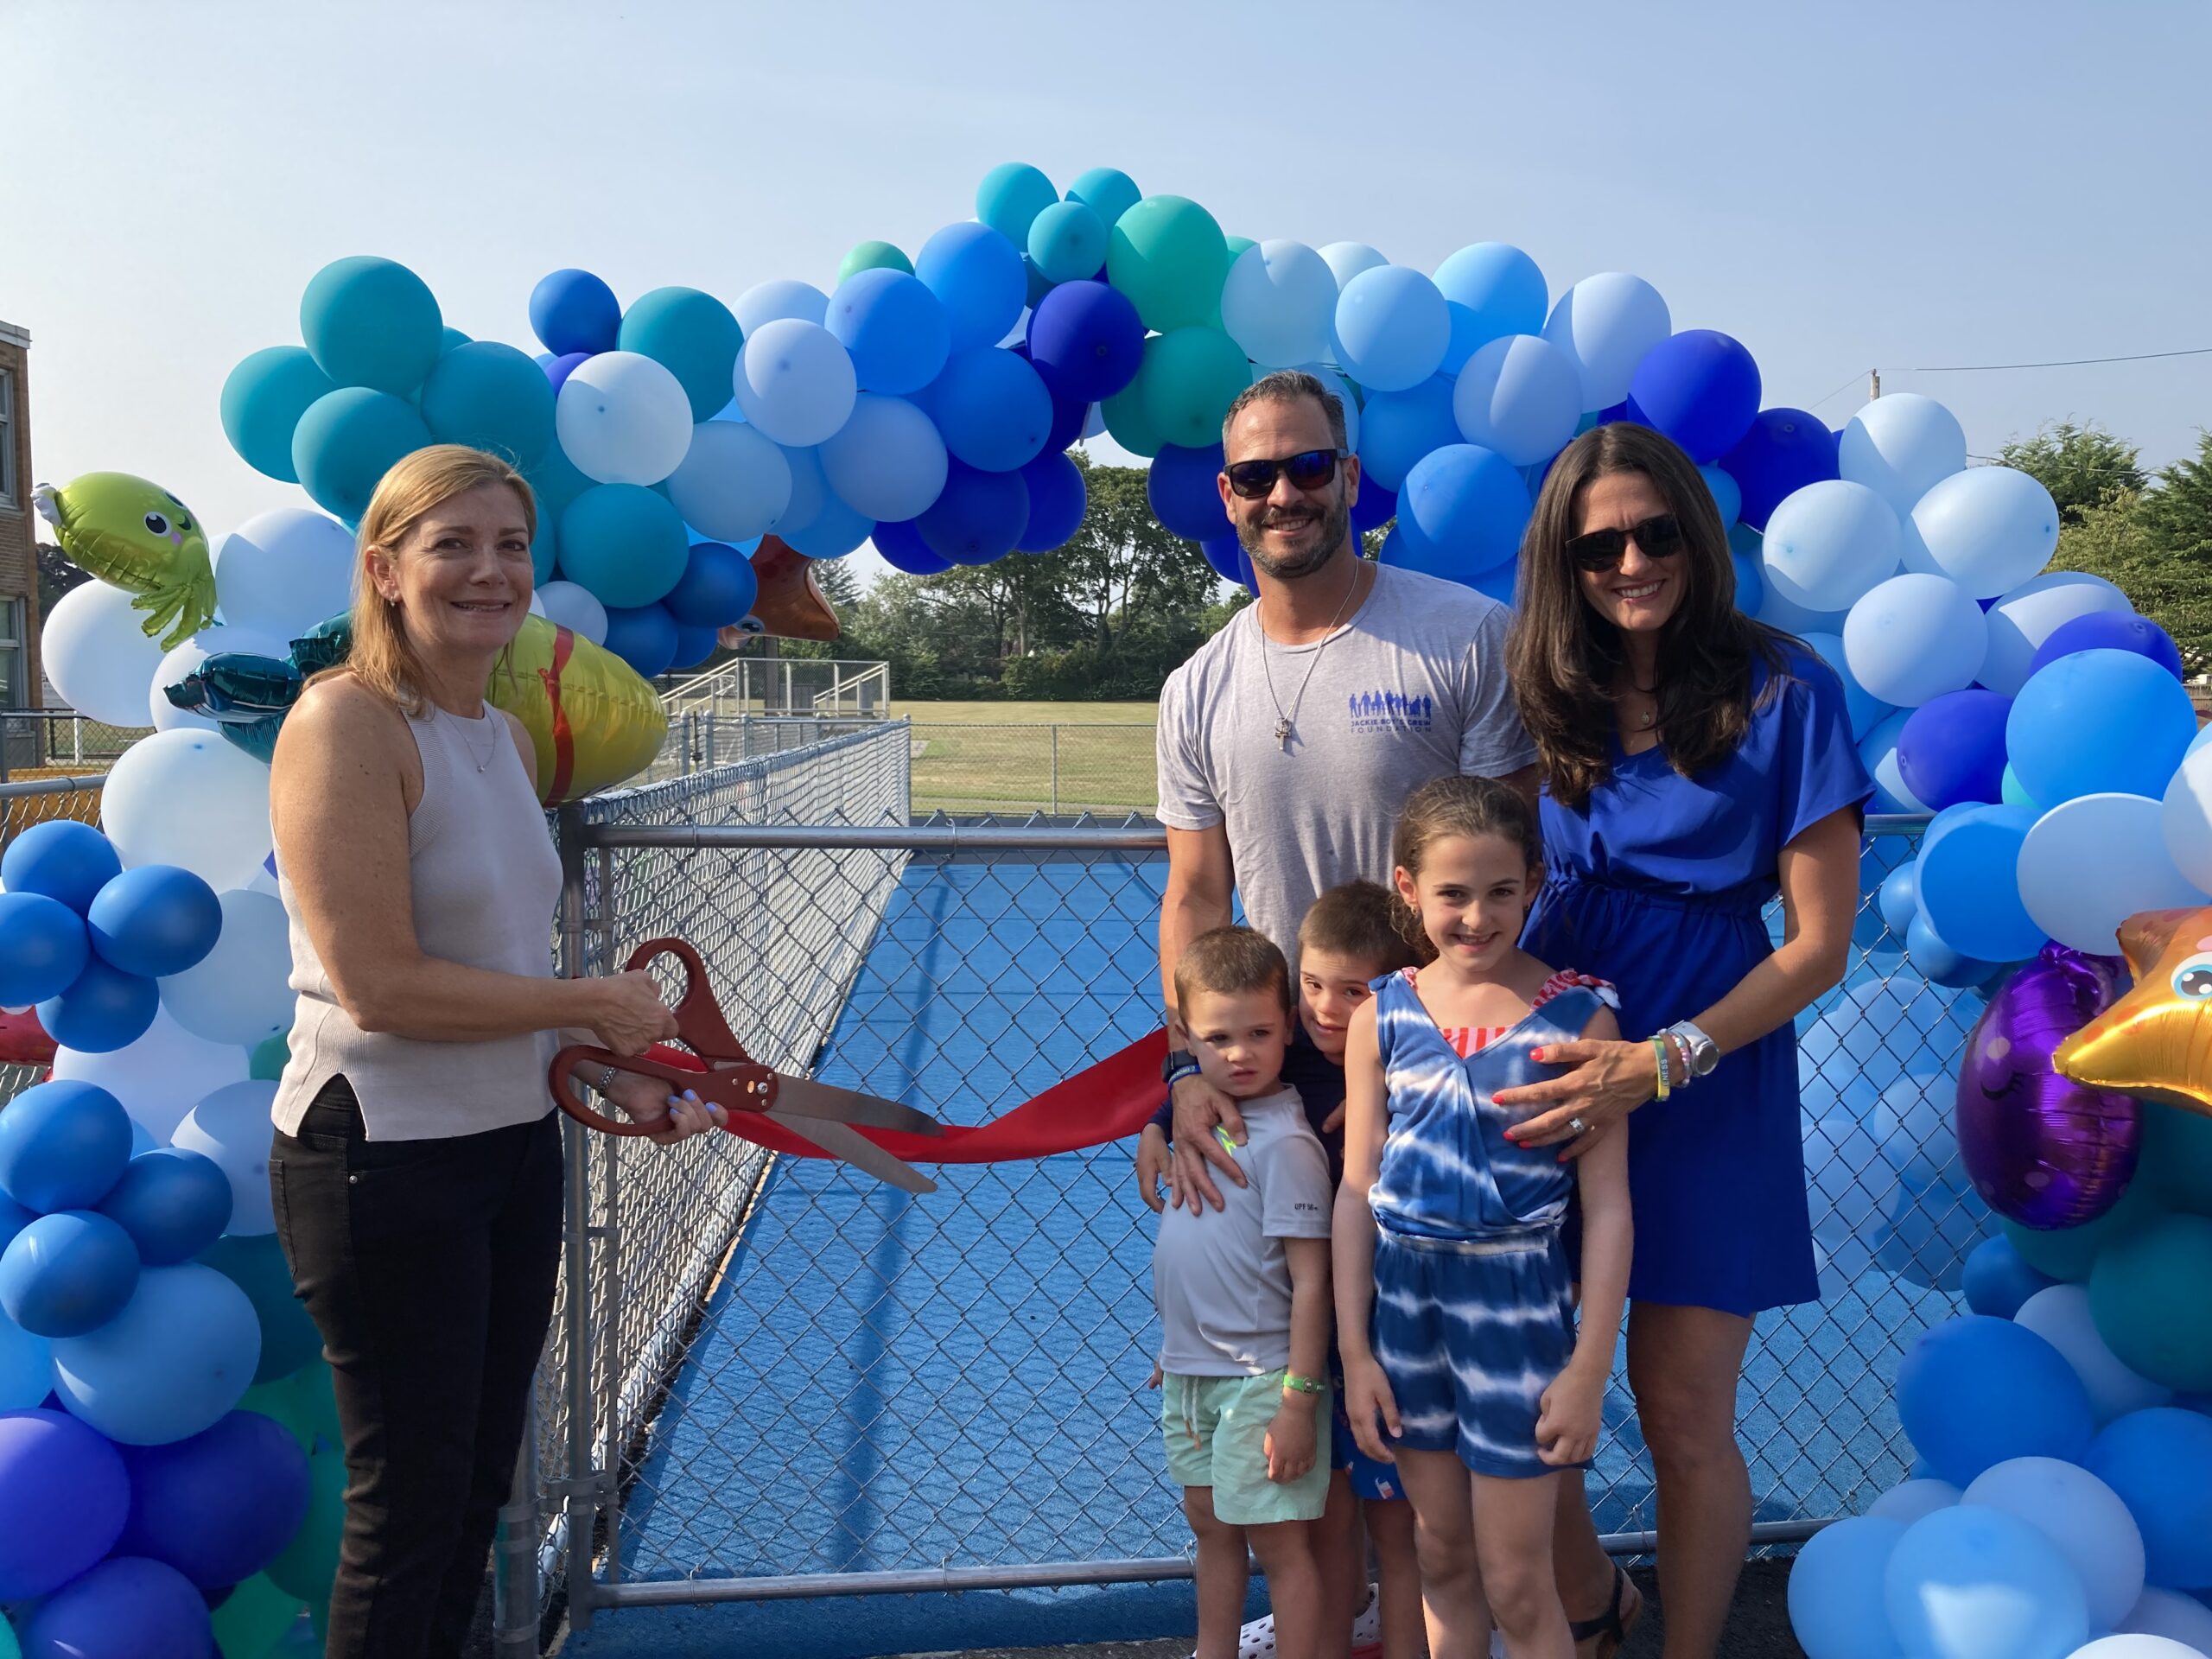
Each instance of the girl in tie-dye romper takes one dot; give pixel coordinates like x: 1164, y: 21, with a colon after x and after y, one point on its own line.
x: 1455, y: 1297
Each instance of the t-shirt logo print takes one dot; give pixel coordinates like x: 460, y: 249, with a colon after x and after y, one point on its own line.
x: 1391, y: 711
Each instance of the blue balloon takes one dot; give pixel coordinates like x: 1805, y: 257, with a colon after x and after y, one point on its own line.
x: 694, y: 646
x: 2160, y: 1463
x: 980, y: 516
x: 1835, y: 1590
x: 1462, y: 512
x: 491, y: 396
x: 1975, y: 1392
x: 44, y: 948
x: 1727, y: 494
x: 1392, y: 329
x: 67, y: 1274
x: 1490, y: 290
x: 1951, y: 748
x: 1184, y: 488
x: 255, y: 1263
x: 574, y: 311
x: 1970, y: 1582
x: 558, y: 369
x: 1700, y: 388
x: 831, y: 533
x: 1938, y: 962
x: 1397, y: 428
x: 717, y: 587
x: 1067, y: 242
x: 1751, y: 581
x: 1969, y: 890
x: 900, y: 546
x: 64, y: 1498
x: 893, y: 328
x: 978, y: 276
x: 690, y: 334
x: 67, y: 861
x: 2095, y: 721
x: 643, y: 636
x: 2109, y: 631
x: 625, y: 542
x: 63, y: 1146
x: 102, y: 1010
x: 993, y: 408
x: 887, y: 461
x: 155, y: 920
x: 347, y: 442
x: 780, y: 299
x: 1899, y: 900
x: 1864, y: 709
x: 26, y: 1371
x: 1228, y: 559
x: 1784, y: 450
x: 1376, y: 508
x: 1997, y: 1281
x: 173, y: 1202
x: 128, y: 1604
x: 263, y: 400
x: 371, y: 322
x: 1107, y: 191
x: 1057, y: 497
x: 1521, y: 396
x: 220, y: 1505
x: 176, y: 1358
x: 1086, y: 340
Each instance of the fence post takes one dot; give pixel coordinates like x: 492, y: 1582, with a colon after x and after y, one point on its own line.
x: 582, y: 1491
x: 1055, y: 729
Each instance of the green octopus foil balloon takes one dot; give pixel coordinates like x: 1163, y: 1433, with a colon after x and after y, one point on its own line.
x: 139, y: 537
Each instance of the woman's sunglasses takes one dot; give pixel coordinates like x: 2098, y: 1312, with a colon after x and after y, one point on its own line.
x: 1659, y: 536
x: 1255, y: 479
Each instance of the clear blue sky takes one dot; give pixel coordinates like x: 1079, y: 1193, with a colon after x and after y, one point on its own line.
x: 1839, y: 186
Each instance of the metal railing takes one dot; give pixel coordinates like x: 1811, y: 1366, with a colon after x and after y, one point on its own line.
x: 40, y: 741
x: 822, y: 687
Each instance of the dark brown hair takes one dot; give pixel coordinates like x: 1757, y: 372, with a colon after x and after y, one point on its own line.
x: 1564, y: 658
x: 1443, y: 808
x: 1229, y: 960
x: 1358, y: 921
x: 1290, y: 386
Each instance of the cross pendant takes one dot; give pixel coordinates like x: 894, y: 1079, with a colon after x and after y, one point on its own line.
x: 1282, y: 733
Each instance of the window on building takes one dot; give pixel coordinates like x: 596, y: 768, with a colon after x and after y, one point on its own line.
x: 14, y: 660
x: 7, y: 438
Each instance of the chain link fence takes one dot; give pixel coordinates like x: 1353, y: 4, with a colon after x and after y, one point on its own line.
x: 37, y: 743
x: 1056, y: 767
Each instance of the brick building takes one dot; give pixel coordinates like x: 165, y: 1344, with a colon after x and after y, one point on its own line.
x: 19, y: 620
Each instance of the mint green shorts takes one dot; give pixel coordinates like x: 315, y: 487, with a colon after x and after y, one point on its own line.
x: 1216, y: 1432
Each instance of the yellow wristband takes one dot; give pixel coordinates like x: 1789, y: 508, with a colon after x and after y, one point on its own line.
x: 1659, y: 1053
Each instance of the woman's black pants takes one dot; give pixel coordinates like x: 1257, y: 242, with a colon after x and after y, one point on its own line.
x: 428, y: 1265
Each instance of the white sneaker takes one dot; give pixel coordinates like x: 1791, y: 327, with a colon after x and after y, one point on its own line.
x: 1257, y: 1639
x: 1366, y: 1629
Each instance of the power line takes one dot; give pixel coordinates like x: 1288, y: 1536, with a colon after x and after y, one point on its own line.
x: 1839, y: 392
x: 2061, y: 363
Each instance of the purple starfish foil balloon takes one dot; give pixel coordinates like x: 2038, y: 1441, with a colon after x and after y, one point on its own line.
x: 2041, y: 1150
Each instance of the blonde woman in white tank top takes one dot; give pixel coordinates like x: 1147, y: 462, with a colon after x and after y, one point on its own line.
x: 417, y: 1170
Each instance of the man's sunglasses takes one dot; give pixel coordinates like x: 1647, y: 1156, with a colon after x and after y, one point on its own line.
x: 1659, y: 536
x: 1255, y: 479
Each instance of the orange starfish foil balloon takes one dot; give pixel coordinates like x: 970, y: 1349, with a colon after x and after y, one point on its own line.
x: 2157, y: 1040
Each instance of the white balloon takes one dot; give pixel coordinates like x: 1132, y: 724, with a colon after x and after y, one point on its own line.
x: 161, y: 1077
x: 2185, y: 817
x: 2060, y: 1315
x: 1829, y: 545
x: 1346, y: 260
x: 734, y: 484
x: 571, y: 606
x: 2172, y: 1615
x: 1910, y: 1500
x: 239, y: 991
x: 284, y: 571
x: 2082, y: 1517
x: 2136, y: 1647
x: 191, y: 799
x: 2030, y: 613
x: 1278, y: 301
x: 2091, y: 862
x: 97, y: 653
x: 1988, y: 528
x: 1900, y: 447
x: 623, y: 419
x: 166, y: 715
x: 231, y: 1126
x: 794, y: 380
x: 1915, y: 637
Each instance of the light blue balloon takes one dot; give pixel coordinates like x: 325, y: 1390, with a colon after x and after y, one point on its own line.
x: 1864, y: 709
x: 1913, y: 638
x: 1279, y: 303
x: 1606, y: 323
x: 1901, y: 445
x: 1937, y: 961
x: 1829, y: 545
x: 690, y: 334
x: 1462, y: 512
x: 1987, y: 528
x: 1727, y: 494
x: 347, y: 442
x: 1392, y: 329
x: 1067, y: 242
x: 770, y: 302
x: 1492, y: 289
x: 894, y: 328
x: 1107, y: 191
x: 2097, y: 722
x: 795, y: 381
x: 978, y: 275
x: 809, y: 493
x: 1010, y: 196
x: 1521, y: 397
x: 1974, y: 1583
x: 179, y: 1356
x: 26, y: 1368
x: 734, y: 482
x: 993, y: 408
x: 624, y: 544
x: 1899, y: 900
x: 1969, y: 888
x: 1835, y: 1590
x: 2200, y: 739
x: 263, y: 401
x: 491, y: 396
x: 1878, y: 752
x: 888, y: 462
x: 372, y: 323
x: 1397, y: 428
x: 835, y: 532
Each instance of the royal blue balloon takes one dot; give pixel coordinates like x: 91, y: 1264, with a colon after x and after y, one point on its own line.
x: 64, y: 1498
x: 574, y: 311
x: 993, y: 408
x: 901, y: 547
x: 1784, y: 450
x: 2098, y: 721
x: 1975, y: 1392
x: 558, y: 369
x: 1228, y: 559
x: 1398, y: 428
x: 371, y: 322
x: 1938, y: 962
x: 1951, y: 748
x: 126, y: 1605
x: 717, y: 588
x: 643, y: 636
x: 173, y: 1202
x: 63, y: 1146
x: 491, y: 396
x: 1183, y: 486
x: 625, y: 542
x: 694, y: 646
x: 1700, y: 388
x: 67, y: 861
x: 896, y: 329
x: 255, y: 1263
x: 263, y: 400
x: 347, y: 442
x: 156, y: 920
x: 1086, y: 340
x: 44, y: 948
x: 689, y: 334
x: 1107, y: 191
x: 1069, y: 417
x: 978, y: 276
x: 2159, y: 1462
x: 220, y: 1505
x: 1969, y: 889
x: 2109, y: 631
x: 1376, y: 508
x: 1057, y: 497
x: 1462, y: 512
x: 980, y: 516
x: 1997, y: 1281
x: 102, y: 1009
x: 67, y: 1274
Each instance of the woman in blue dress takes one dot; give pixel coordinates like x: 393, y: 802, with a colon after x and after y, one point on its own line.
x: 1696, y: 765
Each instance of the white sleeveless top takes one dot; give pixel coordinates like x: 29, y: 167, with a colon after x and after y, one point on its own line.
x: 487, y: 884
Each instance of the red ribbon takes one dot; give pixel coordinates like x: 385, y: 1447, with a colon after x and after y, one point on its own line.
x: 564, y: 740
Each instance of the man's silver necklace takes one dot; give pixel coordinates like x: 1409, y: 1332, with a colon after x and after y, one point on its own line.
x: 1285, y: 722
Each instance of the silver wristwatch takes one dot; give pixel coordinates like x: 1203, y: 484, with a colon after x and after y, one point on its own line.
x: 1702, y: 1053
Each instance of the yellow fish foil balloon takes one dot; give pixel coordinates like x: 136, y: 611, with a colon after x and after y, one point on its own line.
x: 139, y: 537
x: 593, y: 721
x: 2157, y: 1040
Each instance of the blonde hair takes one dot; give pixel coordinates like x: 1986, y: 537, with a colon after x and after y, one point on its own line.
x: 382, y: 657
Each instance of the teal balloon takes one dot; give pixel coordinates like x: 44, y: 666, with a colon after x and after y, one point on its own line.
x: 2012, y: 791
x: 490, y: 397
x: 263, y: 401
x: 267, y: 1062
x: 309, y: 1562
x: 625, y: 543
x: 2070, y: 1254
x: 372, y: 323
x: 873, y: 256
x: 1108, y: 192
x: 2147, y: 1293
x: 2177, y: 1160
x: 1067, y: 242
x: 1010, y: 196
x: 692, y: 335
x: 347, y: 442
x: 256, y: 1266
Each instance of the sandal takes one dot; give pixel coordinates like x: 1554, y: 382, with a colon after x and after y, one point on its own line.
x: 1610, y: 1628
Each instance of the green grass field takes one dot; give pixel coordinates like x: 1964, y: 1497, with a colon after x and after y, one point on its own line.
x: 1033, y: 757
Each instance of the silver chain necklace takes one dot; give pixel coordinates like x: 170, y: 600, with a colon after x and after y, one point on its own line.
x: 1285, y: 723
x: 490, y: 754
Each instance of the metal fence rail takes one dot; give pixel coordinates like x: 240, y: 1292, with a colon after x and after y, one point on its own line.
x: 1059, y: 766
